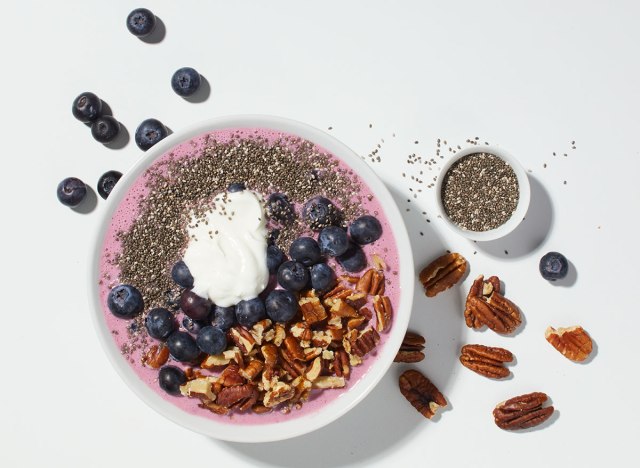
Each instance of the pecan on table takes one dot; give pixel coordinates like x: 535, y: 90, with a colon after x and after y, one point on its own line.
x: 411, y: 348
x: 573, y: 342
x: 442, y: 273
x: 522, y: 412
x: 486, y: 360
x: 421, y: 393
x: 486, y: 306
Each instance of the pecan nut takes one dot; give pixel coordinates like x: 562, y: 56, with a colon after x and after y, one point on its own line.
x: 371, y: 283
x: 485, y: 360
x: 442, y: 273
x: 411, y: 348
x: 312, y: 310
x: 522, y: 412
x: 156, y: 356
x: 573, y: 342
x: 486, y: 306
x: 383, y: 310
x: 365, y: 342
x: 421, y: 393
x: 242, y: 397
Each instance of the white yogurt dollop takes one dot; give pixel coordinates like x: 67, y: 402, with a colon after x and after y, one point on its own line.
x: 227, y: 249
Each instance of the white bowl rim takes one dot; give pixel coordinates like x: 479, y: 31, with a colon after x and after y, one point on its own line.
x: 523, y: 199
x: 299, y: 425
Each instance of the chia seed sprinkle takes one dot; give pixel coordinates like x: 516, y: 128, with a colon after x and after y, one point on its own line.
x: 480, y: 192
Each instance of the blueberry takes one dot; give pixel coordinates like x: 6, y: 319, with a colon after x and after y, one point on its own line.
x: 193, y: 326
x: 87, y: 107
x: 185, y: 81
x: 333, y: 241
x: 150, y: 132
x: 182, y: 346
x: 305, y: 250
x: 125, y: 301
x: 279, y: 208
x: 293, y: 276
x: 107, y: 181
x: 71, y: 191
x: 365, y: 230
x: 211, y: 340
x: 354, y: 259
x: 554, y: 266
x: 249, y: 312
x: 236, y: 187
x: 194, y: 306
x: 281, y: 305
x: 170, y: 378
x: 141, y: 22
x: 322, y: 277
x: 319, y: 212
x: 181, y: 275
x: 160, y: 323
x: 224, y: 317
x: 105, y: 129
x: 275, y: 257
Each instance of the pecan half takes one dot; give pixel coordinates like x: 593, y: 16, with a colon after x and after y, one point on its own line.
x: 573, y: 342
x: 411, y: 348
x: 341, y: 365
x: 442, y: 273
x: 242, y: 338
x: 156, y: 356
x: 522, y: 412
x: 486, y: 306
x: 421, y: 393
x: 371, y: 282
x: 485, y: 360
x: 365, y: 342
x: 242, y: 397
x: 382, y: 307
x: 230, y: 376
x: 312, y: 309
x: 293, y: 347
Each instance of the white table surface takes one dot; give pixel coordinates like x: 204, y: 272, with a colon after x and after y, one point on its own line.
x: 529, y: 76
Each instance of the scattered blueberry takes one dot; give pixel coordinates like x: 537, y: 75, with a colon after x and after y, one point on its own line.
x: 141, y: 22
x: 125, y: 301
x: 293, y: 276
x: 354, y: 259
x: 275, y: 257
x: 224, y: 317
x: 279, y: 208
x: 185, y: 81
x: 193, y: 326
x: 554, y: 266
x: 365, y: 230
x: 71, y: 191
x: 182, y: 346
x: 281, y: 305
x: 333, y: 241
x: 322, y: 277
x: 170, y: 378
x: 107, y: 181
x: 105, y: 129
x: 305, y: 250
x: 320, y: 212
x: 249, y: 312
x: 181, y: 275
x: 160, y: 323
x: 196, y: 307
x: 236, y: 187
x: 211, y: 340
x: 150, y: 132
x: 87, y: 107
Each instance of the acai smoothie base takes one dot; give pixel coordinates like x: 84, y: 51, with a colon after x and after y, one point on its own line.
x: 195, y: 167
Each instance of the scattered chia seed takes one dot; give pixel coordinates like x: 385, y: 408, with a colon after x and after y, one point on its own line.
x: 480, y: 192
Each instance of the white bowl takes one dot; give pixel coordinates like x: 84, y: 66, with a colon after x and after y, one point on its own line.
x: 523, y: 200
x: 358, y: 390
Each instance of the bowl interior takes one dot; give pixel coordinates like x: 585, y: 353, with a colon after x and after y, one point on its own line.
x: 523, y: 200
x: 359, y: 389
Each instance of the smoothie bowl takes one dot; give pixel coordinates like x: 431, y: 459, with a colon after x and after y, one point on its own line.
x: 252, y: 278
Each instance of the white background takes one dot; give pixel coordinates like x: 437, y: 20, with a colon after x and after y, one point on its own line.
x: 528, y: 76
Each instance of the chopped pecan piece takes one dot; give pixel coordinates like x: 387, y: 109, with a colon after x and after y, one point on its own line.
x: 312, y: 310
x: 214, y: 407
x: 329, y: 382
x: 313, y: 372
x: 486, y: 306
x: 259, y: 329
x: 200, y: 388
x: 339, y: 292
x: 378, y: 262
x: 230, y: 376
x: 573, y: 342
x: 443, y: 273
x: 421, y: 393
x: 355, y: 322
x: 411, y: 348
x: 340, y: 308
x: 156, y: 356
x: 341, y: 366
x: 302, y: 331
x: 522, y: 412
x: 242, y: 338
x: 280, y: 334
x: 485, y: 360
x: 356, y: 300
x: 242, y: 397
x: 215, y: 360
x: 371, y: 282
x: 349, y: 279
x: 280, y: 392
x: 293, y: 347
x: 366, y: 342
x: 366, y: 313
x: 252, y: 369
x: 382, y: 307
x: 260, y: 409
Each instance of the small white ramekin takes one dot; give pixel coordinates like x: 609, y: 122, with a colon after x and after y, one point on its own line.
x: 523, y: 199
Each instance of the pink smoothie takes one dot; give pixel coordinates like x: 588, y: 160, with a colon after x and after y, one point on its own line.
x: 126, y: 214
